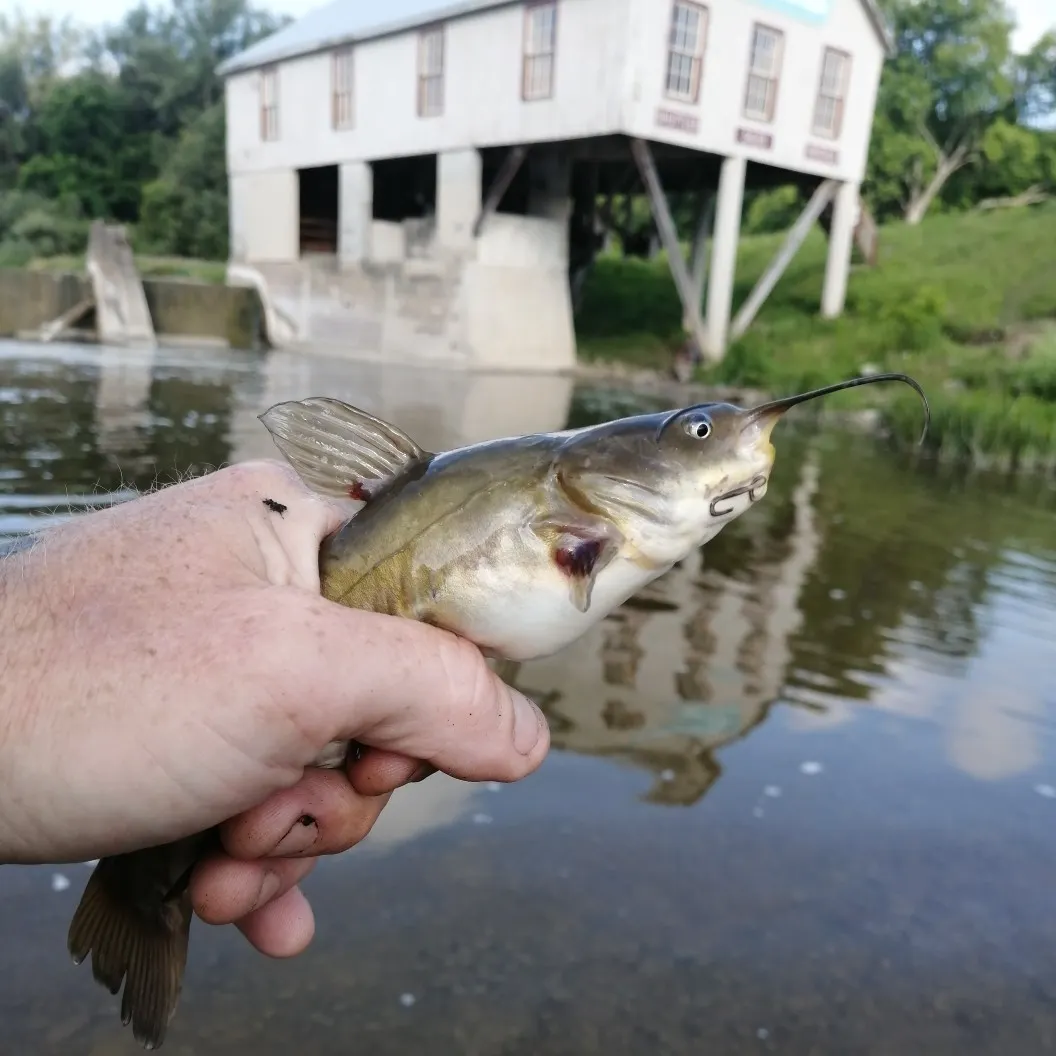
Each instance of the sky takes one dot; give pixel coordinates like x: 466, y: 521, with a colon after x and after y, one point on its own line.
x: 1034, y: 16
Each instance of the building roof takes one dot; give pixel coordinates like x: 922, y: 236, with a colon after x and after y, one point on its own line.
x: 347, y: 21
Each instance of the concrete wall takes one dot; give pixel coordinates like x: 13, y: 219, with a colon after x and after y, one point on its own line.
x: 424, y: 290
x: 504, y: 306
x: 265, y: 217
x: 482, y: 93
x: 197, y: 309
x: 713, y: 122
x: 29, y: 299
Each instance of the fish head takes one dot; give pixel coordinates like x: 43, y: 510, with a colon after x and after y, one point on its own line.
x: 716, y: 459
x: 673, y: 481
x: 719, y: 456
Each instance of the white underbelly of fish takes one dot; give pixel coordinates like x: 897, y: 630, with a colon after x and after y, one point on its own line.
x: 530, y: 613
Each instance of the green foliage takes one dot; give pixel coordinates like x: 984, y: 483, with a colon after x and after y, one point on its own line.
x: 38, y: 226
x: 774, y: 210
x: 184, y: 211
x: 953, y: 79
x: 134, y: 134
x: 954, y: 301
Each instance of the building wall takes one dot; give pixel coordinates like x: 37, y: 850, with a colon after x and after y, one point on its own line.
x: 264, y: 215
x: 713, y: 121
x: 431, y: 287
x: 482, y: 93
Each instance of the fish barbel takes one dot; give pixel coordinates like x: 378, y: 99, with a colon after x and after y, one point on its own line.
x: 519, y: 545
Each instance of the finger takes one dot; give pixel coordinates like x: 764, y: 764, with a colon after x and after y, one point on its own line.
x: 377, y: 771
x: 321, y: 814
x: 224, y: 890
x: 283, y: 928
x: 408, y: 688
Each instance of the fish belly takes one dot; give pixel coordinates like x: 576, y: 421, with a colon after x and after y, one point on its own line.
x: 524, y: 612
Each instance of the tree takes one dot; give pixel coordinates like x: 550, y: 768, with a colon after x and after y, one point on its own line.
x: 91, y: 148
x: 1036, y: 82
x: 184, y: 211
x: 954, y: 75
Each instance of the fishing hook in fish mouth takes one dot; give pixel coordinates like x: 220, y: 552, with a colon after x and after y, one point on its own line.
x: 748, y: 489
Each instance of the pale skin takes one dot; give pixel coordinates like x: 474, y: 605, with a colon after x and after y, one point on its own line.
x: 169, y: 665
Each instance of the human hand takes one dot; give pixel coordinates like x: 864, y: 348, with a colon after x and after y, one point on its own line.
x: 169, y: 665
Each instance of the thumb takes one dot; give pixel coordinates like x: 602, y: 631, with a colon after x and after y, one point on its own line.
x: 413, y: 690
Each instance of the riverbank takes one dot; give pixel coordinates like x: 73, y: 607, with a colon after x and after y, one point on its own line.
x: 964, y: 303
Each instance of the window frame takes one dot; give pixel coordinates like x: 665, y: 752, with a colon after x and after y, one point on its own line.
x: 696, y: 59
x: 342, y: 88
x: 268, y: 87
x: 773, y: 80
x: 528, y: 58
x: 424, y: 76
x: 839, y: 100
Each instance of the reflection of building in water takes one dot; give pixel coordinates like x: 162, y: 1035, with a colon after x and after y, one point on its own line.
x: 122, y: 396
x: 441, y: 409
x: 688, y: 666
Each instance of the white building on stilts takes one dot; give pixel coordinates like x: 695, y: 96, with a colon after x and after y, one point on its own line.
x: 412, y: 179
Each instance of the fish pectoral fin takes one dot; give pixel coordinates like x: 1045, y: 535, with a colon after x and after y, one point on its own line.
x: 339, y: 450
x: 581, y: 550
x: 144, y: 946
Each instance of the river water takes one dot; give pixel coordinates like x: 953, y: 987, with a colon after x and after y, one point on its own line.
x: 802, y: 797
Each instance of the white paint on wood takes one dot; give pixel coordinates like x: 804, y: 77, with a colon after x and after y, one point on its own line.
x: 688, y: 294
x: 724, y: 254
x: 797, y: 233
x: 841, y: 238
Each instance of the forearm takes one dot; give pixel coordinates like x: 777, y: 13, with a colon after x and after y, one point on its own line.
x: 24, y: 651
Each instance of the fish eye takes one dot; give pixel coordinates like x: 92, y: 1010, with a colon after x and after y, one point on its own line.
x: 700, y: 428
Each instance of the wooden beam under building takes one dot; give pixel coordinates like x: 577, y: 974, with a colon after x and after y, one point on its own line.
x: 510, y: 166
x: 665, y: 224
x: 797, y: 233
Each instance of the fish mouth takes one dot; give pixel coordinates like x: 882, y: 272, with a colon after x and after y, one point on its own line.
x: 749, y: 489
x: 766, y: 416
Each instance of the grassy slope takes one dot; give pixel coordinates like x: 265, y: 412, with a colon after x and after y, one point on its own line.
x: 965, y: 303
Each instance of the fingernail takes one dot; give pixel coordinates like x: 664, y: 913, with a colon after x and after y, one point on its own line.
x: 269, y: 888
x: 299, y: 839
x: 526, y: 723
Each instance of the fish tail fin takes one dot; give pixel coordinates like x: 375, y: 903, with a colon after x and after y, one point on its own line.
x: 147, y: 949
x: 340, y: 450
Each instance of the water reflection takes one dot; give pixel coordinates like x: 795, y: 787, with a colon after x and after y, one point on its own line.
x: 813, y: 602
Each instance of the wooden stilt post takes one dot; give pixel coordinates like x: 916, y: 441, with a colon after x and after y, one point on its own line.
x: 510, y: 165
x: 793, y: 240
x: 701, y: 256
x: 665, y: 224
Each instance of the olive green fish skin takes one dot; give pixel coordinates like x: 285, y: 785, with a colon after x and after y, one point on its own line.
x: 519, y: 545
x: 471, y: 543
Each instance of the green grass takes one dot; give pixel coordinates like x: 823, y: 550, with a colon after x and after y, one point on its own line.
x: 964, y: 303
x: 211, y: 271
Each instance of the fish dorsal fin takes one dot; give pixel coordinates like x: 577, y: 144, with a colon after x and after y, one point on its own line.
x: 340, y: 450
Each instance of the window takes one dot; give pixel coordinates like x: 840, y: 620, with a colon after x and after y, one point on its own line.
x: 685, y: 55
x: 341, y: 81
x: 431, y: 72
x: 832, y: 91
x: 764, y: 68
x: 269, y: 104
x: 540, y: 39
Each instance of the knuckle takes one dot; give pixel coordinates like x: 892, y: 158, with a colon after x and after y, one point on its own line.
x: 469, y: 684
